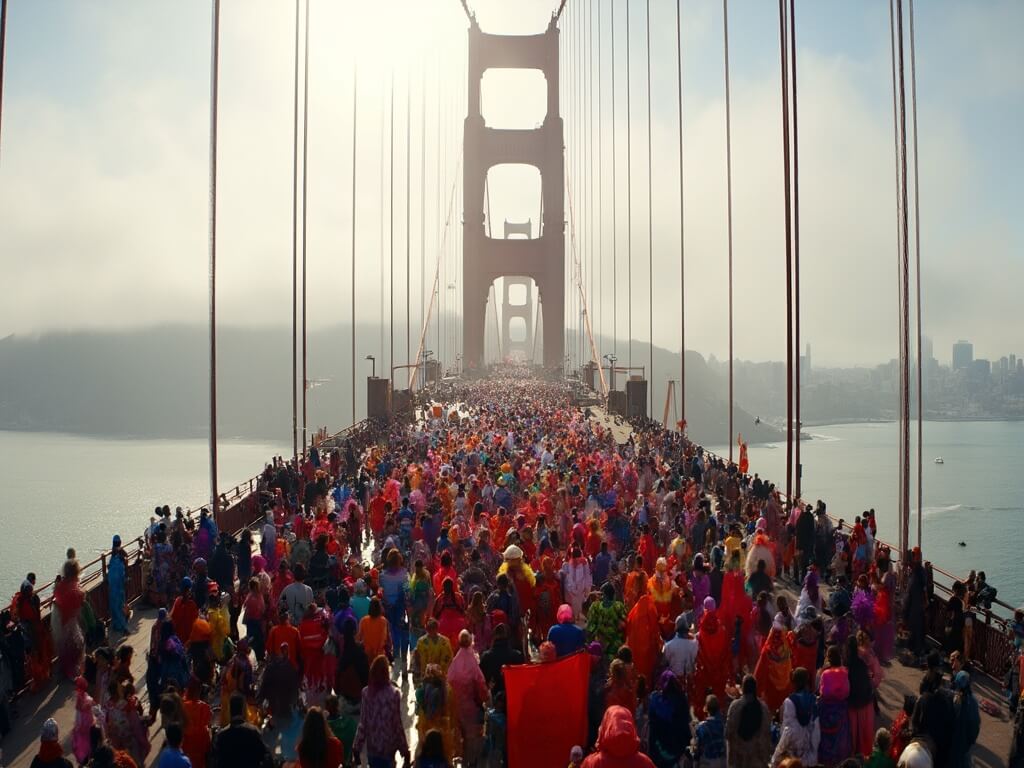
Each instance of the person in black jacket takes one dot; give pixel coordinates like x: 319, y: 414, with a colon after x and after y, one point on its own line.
x: 240, y: 745
x: 861, y: 701
x: 498, y: 656
x: 805, y: 535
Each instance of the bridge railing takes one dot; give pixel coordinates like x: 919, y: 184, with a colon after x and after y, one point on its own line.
x: 992, y: 647
x: 239, y: 508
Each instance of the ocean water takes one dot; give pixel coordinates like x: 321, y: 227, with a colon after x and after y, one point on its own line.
x: 59, y: 491
x: 976, y: 496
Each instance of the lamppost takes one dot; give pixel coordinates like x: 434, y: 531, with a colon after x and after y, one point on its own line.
x: 612, y: 359
x: 373, y: 361
x: 427, y: 354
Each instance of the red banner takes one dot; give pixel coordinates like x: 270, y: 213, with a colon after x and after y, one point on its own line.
x: 547, y: 711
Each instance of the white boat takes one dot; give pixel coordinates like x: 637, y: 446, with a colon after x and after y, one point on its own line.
x: 938, y: 460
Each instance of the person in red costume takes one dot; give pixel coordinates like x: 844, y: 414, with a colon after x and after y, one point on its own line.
x: 547, y: 596
x: 774, y: 668
x: 617, y: 746
x: 711, y: 673
x: 665, y: 597
x: 643, y: 637
x: 736, y: 604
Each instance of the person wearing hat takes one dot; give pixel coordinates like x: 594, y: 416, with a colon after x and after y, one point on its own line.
x: 565, y: 635
x: 51, y: 753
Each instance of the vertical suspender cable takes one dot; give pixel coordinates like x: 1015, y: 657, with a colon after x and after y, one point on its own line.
x: 3, y: 51
x: 905, y: 284
x: 594, y: 220
x: 437, y: 178
x: 682, y: 229
x: 899, y: 232
x: 391, y: 238
x: 600, y: 185
x: 789, y: 251
x: 352, y: 300
x: 917, y: 272
x: 629, y: 208
x: 423, y: 204
x: 214, y: 96
x: 615, y: 207
x: 380, y: 136
x: 797, y: 464
x: 408, y: 227
x: 295, y: 243
x: 650, y: 223
x: 728, y: 197
x: 305, y: 195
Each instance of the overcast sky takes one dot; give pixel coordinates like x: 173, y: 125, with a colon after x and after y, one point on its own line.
x: 103, y: 165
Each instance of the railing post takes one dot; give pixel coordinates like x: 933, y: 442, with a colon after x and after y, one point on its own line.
x: 103, y: 565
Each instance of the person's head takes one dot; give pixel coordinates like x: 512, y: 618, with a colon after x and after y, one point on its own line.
x: 299, y: 572
x: 749, y: 686
x: 380, y: 672
x: 49, y: 733
x: 711, y: 705
x: 174, y: 735
x: 608, y: 591
x: 432, y: 626
x: 433, y: 746
x: 448, y: 586
x: 883, y: 740
x: 834, y: 656
x: 236, y: 707
x: 465, y: 639
x: 124, y: 655
x: 375, y: 610
x: 312, y: 747
x: 801, y: 679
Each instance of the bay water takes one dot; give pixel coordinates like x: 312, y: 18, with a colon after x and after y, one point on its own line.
x: 976, y: 496
x: 59, y: 491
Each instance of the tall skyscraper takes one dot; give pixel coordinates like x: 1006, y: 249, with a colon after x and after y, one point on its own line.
x: 963, y: 355
x: 927, y: 349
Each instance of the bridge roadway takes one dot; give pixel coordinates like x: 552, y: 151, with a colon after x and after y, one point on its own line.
x: 57, y: 698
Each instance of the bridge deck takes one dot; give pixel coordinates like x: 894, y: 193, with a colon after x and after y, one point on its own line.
x: 57, y: 698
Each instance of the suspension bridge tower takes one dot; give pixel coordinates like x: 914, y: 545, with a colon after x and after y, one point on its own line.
x: 540, y: 258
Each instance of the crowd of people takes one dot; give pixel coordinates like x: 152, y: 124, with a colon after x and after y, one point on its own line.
x: 504, y: 528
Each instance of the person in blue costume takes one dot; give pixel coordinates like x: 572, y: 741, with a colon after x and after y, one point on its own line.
x: 117, y: 572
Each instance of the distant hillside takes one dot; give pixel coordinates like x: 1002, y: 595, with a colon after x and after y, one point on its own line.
x: 152, y: 382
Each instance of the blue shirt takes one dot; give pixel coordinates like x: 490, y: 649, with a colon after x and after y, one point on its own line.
x: 711, y: 738
x: 567, y: 638
x: 173, y: 758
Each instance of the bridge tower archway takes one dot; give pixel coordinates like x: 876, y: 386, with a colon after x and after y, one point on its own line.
x: 540, y: 259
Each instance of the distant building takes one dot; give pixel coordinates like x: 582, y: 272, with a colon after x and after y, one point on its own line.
x: 927, y: 350
x: 1004, y: 364
x: 963, y: 355
x: 981, y: 367
x: 1013, y: 362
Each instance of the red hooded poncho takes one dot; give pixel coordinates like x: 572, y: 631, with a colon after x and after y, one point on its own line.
x: 618, y: 746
